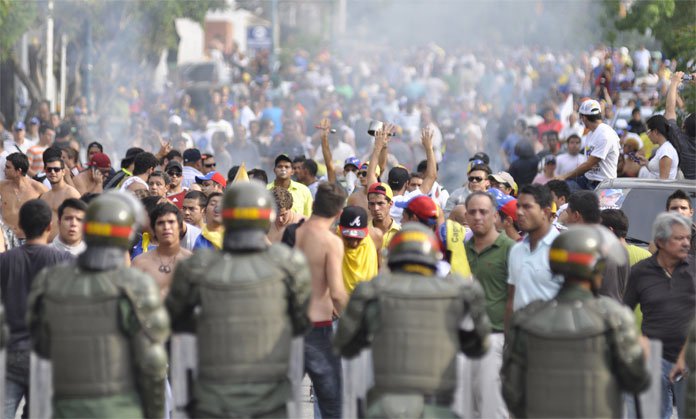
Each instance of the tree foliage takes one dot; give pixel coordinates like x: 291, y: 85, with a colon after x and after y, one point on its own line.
x: 15, y: 18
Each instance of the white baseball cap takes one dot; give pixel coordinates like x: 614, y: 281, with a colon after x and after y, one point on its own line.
x: 175, y: 119
x: 590, y: 107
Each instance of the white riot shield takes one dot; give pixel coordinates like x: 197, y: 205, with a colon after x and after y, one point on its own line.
x: 184, y: 368
x: 358, y: 379
x: 296, y: 374
x: 40, y: 387
x: 650, y: 400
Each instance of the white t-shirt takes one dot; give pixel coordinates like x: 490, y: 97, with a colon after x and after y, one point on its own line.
x: 566, y: 163
x: 396, y: 212
x: 652, y: 171
x: 603, y: 143
x: 131, y: 180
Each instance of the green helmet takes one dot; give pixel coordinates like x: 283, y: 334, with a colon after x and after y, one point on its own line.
x: 582, y: 251
x: 248, y: 206
x: 415, y: 244
x: 112, y: 220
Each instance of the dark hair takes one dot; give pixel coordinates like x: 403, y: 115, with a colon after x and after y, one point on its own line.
x: 52, y: 154
x: 560, y: 188
x: 45, y: 127
x: 587, y: 204
x: 199, y: 196
x: 258, y: 174
x: 480, y: 193
x: 232, y: 173
x: 658, y: 123
x: 690, y: 126
x: 34, y: 217
x: 96, y: 144
x: 299, y: 159
x: 483, y: 167
x: 74, y: 203
x: 172, y: 154
x: 329, y: 200
x: 423, y: 165
x: 573, y: 136
x: 283, y: 198
x: 541, y: 194
x: 593, y: 118
x: 211, y: 196
x: 163, y: 209
x: 89, y: 197
x: 19, y: 161
x: 311, y: 166
x: 678, y: 194
x: 150, y: 202
x: 616, y: 220
x: 144, y: 162
x: 416, y: 175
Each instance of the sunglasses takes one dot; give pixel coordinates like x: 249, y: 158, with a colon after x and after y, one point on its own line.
x: 210, y: 165
x: 362, y: 173
x: 475, y: 179
x: 53, y: 169
x: 174, y: 174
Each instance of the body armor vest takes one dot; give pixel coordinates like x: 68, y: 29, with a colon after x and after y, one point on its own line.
x: 569, y: 362
x: 416, y: 345
x: 89, y: 352
x: 244, y: 331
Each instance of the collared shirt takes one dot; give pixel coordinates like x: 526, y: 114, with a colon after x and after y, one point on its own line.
x: 667, y: 303
x: 490, y: 267
x: 301, y: 197
x: 530, y: 273
x: 388, y: 235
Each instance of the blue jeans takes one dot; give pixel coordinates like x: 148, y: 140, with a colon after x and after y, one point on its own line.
x: 16, y: 383
x: 324, y: 369
x: 671, y: 392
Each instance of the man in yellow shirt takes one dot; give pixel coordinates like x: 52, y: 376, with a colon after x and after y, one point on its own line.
x: 301, y: 196
x: 379, y: 201
x: 360, y: 257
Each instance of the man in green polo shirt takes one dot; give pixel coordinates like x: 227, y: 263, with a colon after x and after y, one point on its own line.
x: 487, y: 252
x: 301, y: 196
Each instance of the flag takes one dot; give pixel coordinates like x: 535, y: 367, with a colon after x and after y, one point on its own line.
x: 241, y: 175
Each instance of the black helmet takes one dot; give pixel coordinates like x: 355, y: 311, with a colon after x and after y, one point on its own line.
x: 582, y: 251
x: 248, y: 209
x: 415, y: 244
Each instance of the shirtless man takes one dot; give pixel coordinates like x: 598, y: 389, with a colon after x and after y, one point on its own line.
x: 166, y: 222
x: 324, y: 252
x: 17, y: 189
x: 60, y: 191
x: 92, y: 179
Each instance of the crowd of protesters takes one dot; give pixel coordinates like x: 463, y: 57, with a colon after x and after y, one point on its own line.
x: 496, y: 154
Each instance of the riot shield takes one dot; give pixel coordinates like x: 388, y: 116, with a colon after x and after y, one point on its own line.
x: 296, y: 374
x: 184, y: 367
x: 358, y: 378
x: 650, y: 400
x: 40, y: 387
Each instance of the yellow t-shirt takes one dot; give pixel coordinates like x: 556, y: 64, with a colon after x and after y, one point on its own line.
x: 359, y: 264
x: 389, y: 234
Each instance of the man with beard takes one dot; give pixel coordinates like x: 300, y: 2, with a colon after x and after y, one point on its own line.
x: 60, y: 191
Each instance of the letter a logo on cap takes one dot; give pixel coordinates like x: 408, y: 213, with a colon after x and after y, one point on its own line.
x: 356, y: 222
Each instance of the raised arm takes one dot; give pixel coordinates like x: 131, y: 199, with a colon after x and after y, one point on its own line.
x: 431, y: 168
x: 325, y: 128
x: 671, y: 99
x: 379, y: 146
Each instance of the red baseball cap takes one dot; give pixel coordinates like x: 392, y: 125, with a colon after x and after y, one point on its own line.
x: 422, y: 206
x: 100, y: 160
x: 215, y: 177
x: 510, y: 209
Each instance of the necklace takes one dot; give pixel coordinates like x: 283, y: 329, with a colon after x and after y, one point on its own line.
x: 165, y: 268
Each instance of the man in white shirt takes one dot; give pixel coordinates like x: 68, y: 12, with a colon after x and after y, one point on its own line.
x: 529, y: 273
x: 20, y: 142
x: 570, y: 160
x: 601, y: 149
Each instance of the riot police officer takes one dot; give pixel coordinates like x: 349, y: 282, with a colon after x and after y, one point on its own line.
x: 245, y: 304
x: 416, y: 323
x: 102, y: 324
x: 573, y: 356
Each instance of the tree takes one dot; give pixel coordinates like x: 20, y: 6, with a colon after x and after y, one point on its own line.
x: 128, y: 38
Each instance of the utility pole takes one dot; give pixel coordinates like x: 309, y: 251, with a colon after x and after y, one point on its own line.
x: 63, y: 68
x: 50, y: 87
x: 275, y: 34
x: 87, y: 69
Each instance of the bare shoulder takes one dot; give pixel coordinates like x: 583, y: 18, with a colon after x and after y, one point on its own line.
x: 38, y: 186
x: 72, y: 192
x: 184, y: 253
x: 142, y: 260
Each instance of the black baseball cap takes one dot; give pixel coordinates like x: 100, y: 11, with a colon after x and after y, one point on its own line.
x: 192, y: 155
x: 398, y: 176
x: 353, y: 222
x: 130, y: 156
x: 481, y: 156
x: 175, y: 165
x: 282, y: 157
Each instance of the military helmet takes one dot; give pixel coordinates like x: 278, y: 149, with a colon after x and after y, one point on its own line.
x: 248, y: 206
x: 582, y: 251
x: 414, y: 243
x: 112, y: 220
